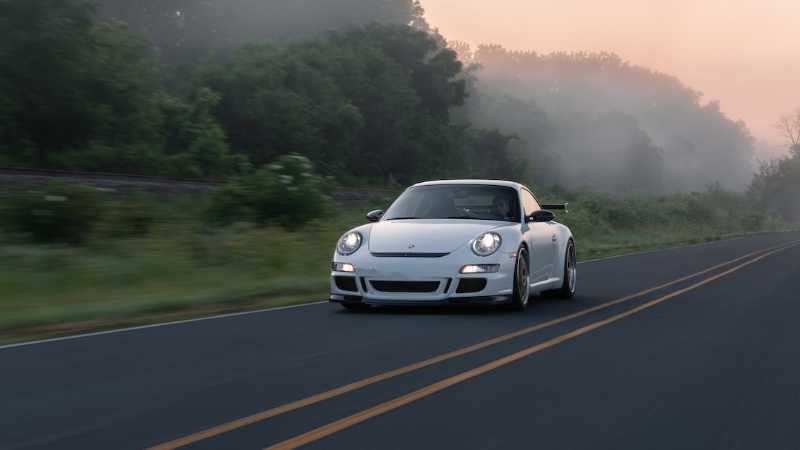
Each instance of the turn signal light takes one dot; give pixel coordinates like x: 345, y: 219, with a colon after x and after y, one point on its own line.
x: 342, y: 267
x: 480, y: 268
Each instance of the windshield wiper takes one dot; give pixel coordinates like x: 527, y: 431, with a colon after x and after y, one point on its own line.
x: 402, y: 218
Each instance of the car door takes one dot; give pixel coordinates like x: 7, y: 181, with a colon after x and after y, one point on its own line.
x: 541, y: 238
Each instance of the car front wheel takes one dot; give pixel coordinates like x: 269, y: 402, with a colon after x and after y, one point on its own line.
x: 522, y: 281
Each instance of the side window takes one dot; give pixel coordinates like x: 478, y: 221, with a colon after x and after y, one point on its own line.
x: 529, y: 203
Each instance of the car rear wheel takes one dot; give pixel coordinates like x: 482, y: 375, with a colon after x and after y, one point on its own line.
x: 569, y: 284
x: 522, y: 281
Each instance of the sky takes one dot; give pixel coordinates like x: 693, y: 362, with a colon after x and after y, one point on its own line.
x: 744, y: 53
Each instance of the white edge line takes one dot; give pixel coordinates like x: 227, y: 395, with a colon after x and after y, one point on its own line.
x: 156, y: 325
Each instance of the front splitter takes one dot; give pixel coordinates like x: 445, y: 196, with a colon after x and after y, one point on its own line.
x: 475, y: 300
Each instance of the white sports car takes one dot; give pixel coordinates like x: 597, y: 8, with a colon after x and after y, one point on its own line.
x: 461, y: 241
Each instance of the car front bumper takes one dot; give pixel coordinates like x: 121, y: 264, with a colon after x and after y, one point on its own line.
x: 443, y: 272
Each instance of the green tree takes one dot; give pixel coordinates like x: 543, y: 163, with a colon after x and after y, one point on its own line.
x: 41, y: 65
x: 196, y: 143
x: 372, y: 101
x: 68, y: 82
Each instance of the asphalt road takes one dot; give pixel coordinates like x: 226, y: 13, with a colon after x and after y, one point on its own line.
x: 646, y: 357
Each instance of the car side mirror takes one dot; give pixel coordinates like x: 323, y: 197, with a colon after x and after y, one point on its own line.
x: 542, y: 215
x: 374, y: 216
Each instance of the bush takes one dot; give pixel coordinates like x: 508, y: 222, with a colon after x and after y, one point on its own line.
x: 286, y: 193
x: 754, y: 221
x: 57, y: 213
x: 129, y: 218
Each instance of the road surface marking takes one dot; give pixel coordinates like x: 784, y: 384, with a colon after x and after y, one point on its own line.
x: 156, y: 325
x: 347, y: 422
x: 341, y: 390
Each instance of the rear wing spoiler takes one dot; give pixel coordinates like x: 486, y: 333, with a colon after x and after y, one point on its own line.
x: 556, y: 207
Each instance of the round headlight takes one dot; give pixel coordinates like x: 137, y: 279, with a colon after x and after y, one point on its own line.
x: 486, y: 244
x: 349, y: 243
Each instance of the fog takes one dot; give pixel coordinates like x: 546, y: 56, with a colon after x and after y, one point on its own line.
x: 595, y: 121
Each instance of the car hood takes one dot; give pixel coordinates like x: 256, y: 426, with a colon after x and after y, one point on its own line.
x: 426, y: 235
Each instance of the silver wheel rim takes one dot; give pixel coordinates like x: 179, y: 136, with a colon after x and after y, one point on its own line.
x: 572, y: 269
x: 523, y: 278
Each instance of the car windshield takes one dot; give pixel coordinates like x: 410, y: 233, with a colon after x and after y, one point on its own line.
x: 449, y: 201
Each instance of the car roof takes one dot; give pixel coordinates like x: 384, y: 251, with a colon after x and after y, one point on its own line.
x: 511, y: 184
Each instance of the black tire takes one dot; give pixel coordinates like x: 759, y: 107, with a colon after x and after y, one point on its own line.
x: 569, y: 284
x: 522, y: 281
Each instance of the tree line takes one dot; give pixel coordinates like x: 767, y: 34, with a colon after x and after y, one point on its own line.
x: 366, y: 90
x: 370, y: 103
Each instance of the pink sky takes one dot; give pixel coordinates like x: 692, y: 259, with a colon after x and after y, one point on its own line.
x: 744, y: 53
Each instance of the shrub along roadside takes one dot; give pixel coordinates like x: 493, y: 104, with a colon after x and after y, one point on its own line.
x: 286, y: 192
x: 59, y: 213
x: 56, y: 213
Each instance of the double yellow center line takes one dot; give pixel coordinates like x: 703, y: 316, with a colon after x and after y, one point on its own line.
x: 382, y: 408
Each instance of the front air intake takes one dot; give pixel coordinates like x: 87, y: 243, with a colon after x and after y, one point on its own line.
x: 346, y: 283
x: 471, y: 285
x: 405, y: 286
x: 408, y: 255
